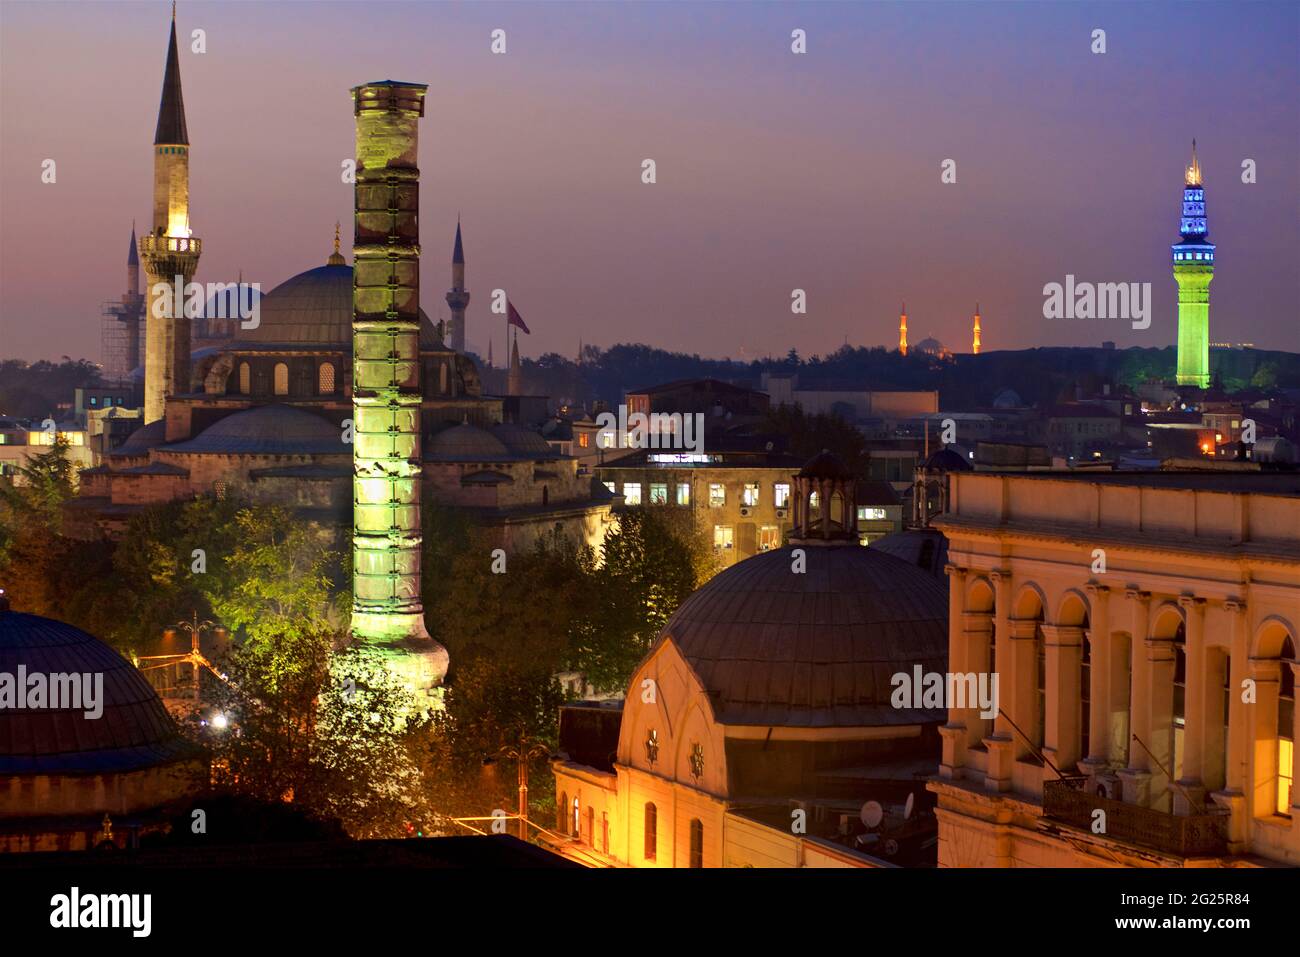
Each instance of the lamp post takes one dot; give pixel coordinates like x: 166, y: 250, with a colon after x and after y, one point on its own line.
x: 522, y: 754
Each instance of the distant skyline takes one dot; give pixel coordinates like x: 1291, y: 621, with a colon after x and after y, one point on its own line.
x: 775, y: 171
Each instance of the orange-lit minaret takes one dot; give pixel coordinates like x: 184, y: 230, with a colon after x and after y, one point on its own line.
x: 975, y: 344
x: 902, y: 331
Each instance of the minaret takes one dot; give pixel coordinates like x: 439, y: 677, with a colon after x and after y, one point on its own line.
x: 902, y: 330
x: 170, y: 253
x: 515, y: 377
x: 132, y: 306
x: 975, y: 342
x: 387, y: 611
x: 489, y: 358
x: 1193, y: 270
x: 458, y: 295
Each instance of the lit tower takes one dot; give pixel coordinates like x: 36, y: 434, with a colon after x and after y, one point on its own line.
x: 169, y: 250
x: 386, y: 484
x: 975, y: 341
x: 902, y: 330
x: 458, y: 295
x: 1193, y: 270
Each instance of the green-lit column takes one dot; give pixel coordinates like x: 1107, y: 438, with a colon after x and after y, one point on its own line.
x: 387, y: 610
x: 1193, y: 257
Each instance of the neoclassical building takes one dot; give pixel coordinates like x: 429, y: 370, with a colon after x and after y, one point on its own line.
x: 760, y: 724
x: 1144, y: 630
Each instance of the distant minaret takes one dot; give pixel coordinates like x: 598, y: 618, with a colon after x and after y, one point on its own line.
x: 169, y: 251
x: 975, y: 343
x: 902, y: 330
x: 580, y: 350
x: 132, y: 306
x: 515, y: 377
x: 1193, y: 270
x: 458, y: 295
x: 489, y: 359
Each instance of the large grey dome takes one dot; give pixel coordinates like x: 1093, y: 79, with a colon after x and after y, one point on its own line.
x: 466, y: 443
x: 133, y: 732
x: 815, y: 649
x: 268, y: 430
x: 315, y: 308
x: 522, y: 442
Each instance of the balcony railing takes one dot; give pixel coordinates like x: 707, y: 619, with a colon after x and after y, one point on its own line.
x: 169, y: 244
x: 1193, y: 835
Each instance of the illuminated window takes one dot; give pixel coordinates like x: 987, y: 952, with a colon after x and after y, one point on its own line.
x: 576, y: 815
x: 697, y: 760
x: 749, y: 495
x: 769, y: 537
x: 652, y: 747
x: 584, y: 440
x: 717, y: 495
x: 1286, y: 730
x: 722, y: 537
x: 613, y: 489
x: 782, y: 492
x: 658, y: 493
x: 607, y: 439
x: 632, y: 493
x: 697, y: 843
x: 651, y: 831
x: 94, y: 401
x: 683, y: 493
x: 245, y: 378
x: 281, y: 379
x: 867, y: 514
x: 326, y: 378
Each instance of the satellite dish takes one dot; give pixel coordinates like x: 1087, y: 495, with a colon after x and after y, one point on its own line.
x: 891, y: 847
x: 908, y: 807
x: 872, y: 814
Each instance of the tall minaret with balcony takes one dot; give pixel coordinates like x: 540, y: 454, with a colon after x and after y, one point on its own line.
x: 975, y: 332
x: 169, y: 251
x: 902, y: 331
x: 1193, y: 270
x: 458, y: 295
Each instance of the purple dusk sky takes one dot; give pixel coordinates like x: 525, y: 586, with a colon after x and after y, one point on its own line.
x: 776, y: 171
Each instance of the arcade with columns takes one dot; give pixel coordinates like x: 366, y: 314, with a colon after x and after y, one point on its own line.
x: 1145, y: 645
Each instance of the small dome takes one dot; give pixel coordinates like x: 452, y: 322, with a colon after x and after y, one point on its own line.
x: 522, y: 442
x: 946, y: 460
x: 133, y: 732
x: 826, y: 465
x: 465, y: 443
x: 315, y: 308
x: 268, y: 430
x: 817, y: 649
x: 930, y: 346
x: 1008, y: 399
x: 143, y: 439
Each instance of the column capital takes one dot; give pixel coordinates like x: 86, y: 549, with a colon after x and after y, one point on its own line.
x: 1096, y: 590
x: 1136, y: 594
x: 1235, y: 605
x: 999, y: 575
x: 1022, y: 628
x: 955, y: 571
x: 1191, y: 603
x: 1066, y: 636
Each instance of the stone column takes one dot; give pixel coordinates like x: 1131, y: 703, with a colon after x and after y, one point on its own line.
x: 977, y: 633
x: 1064, y: 652
x: 1233, y: 795
x: 1102, y: 703
x: 954, y: 733
x: 1137, y: 776
x: 1266, y: 673
x: 1159, y: 717
x: 1191, y: 797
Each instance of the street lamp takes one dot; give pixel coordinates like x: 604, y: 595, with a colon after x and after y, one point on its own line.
x: 523, y: 754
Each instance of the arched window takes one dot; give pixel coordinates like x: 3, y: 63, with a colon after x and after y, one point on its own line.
x: 1085, y: 689
x: 577, y: 820
x: 260, y: 383
x: 302, y: 377
x: 245, y: 378
x: 325, y: 379
x: 281, y: 379
x: 697, y: 843
x: 651, y: 831
x: 1179, y: 723
x: 561, y: 818
x: 591, y: 825
x: 1286, y: 729
x: 1040, y: 684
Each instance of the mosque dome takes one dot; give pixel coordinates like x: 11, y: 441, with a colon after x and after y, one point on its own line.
x: 523, y: 443
x: 814, y: 649
x: 930, y: 346
x: 267, y: 430
x: 314, y: 308
x: 133, y: 732
x: 466, y: 443
x: 946, y: 460
x: 143, y: 439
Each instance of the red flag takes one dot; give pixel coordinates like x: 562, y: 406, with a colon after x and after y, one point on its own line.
x: 514, y: 319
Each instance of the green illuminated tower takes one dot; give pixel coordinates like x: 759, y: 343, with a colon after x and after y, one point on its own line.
x: 387, y: 610
x: 1193, y: 270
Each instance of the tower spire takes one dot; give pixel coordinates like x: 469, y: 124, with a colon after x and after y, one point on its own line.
x: 1193, y: 176
x: 902, y: 330
x: 171, y: 129
x: 336, y: 257
x: 975, y: 342
x: 457, y: 296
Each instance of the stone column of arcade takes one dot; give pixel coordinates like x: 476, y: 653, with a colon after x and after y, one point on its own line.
x: 387, y: 610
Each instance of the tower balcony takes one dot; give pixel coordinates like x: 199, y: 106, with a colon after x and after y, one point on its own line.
x: 169, y: 245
